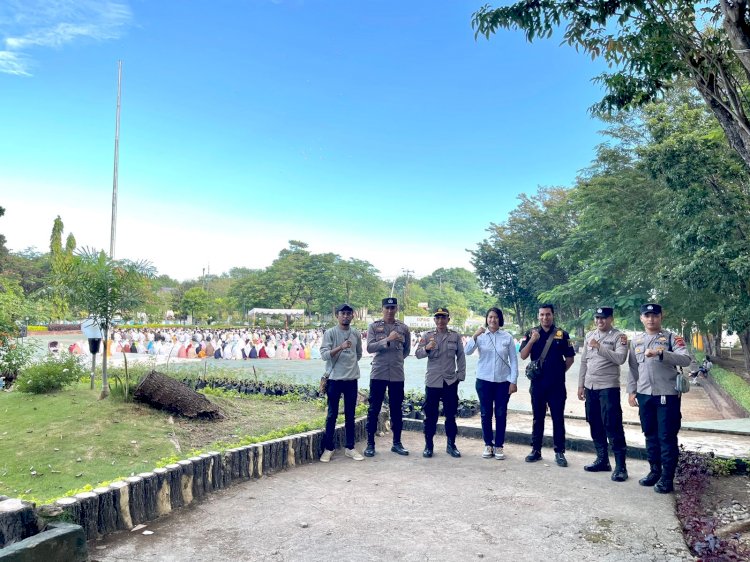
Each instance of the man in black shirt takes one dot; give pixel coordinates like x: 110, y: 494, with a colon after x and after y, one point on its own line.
x: 548, y: 389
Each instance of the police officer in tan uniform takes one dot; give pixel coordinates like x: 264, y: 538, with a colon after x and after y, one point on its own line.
x: 604, y: 350
x: 446, y: 367
x: 390, y: 342
x: 654, y: 358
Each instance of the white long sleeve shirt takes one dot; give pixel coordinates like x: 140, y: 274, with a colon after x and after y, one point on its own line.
x: 498, y: 359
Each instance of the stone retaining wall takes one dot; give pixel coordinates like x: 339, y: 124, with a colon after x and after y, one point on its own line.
x: 149, y: 495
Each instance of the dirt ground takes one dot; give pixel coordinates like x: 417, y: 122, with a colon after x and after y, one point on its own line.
x: 734, y: 364
x: 728, y: 499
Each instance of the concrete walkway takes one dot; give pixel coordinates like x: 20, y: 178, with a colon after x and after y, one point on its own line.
x: 411, y: 508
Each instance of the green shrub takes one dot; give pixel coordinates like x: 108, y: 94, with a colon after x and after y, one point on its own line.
x: 50, y: 374
x: 14, y: 357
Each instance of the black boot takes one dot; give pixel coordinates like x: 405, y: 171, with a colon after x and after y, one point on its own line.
x: 428, y: 446
x: 621, y: 472
x: 370, y: 450
x: 665, y: 485
x: 601, y: 464
x: 452, y: 450
x: 652, y: 477
x: 398, y: 448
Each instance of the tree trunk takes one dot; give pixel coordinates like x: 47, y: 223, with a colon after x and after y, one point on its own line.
x: 105, y: 378
x: 745, y: 343
x: 167, y: 393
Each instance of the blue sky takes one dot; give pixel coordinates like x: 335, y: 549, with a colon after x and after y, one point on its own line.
x: 374, y: 129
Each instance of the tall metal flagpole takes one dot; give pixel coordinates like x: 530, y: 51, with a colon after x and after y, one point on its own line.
x: 117, y: 158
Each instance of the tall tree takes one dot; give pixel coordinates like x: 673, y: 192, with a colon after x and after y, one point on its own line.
x: 3, y: 250
x: 59, y: 261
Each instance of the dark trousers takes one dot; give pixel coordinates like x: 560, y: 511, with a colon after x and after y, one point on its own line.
x: 660, y: 424
x: 544, y: 394
x: 604, y: 414
x: 334, y: 391
x: 493, y: 399
x: 449, y: 395
x: 395, y: 400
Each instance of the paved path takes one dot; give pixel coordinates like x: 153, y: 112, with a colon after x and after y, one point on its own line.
x: 410, y: 508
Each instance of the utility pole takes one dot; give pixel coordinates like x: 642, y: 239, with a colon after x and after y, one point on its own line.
x: 406, y: 287
x: 117, y: 159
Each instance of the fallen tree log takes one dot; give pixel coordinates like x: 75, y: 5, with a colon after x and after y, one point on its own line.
x: 166, y: 393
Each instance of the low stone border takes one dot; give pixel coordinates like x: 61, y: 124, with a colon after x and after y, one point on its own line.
x: 132, y: 501
x: 59, y: 542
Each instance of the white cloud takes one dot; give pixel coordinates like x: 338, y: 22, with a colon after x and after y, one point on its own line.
x: 29, y: 24
x: 13, y: 63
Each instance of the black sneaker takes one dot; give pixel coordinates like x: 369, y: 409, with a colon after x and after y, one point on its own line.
x: 427, y: 453
x: 534, y: 456
x: 561, y: 460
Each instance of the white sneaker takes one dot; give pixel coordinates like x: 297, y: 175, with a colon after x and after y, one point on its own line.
x: 353, y: 454
x: 326, y: 456
x: 487, y: 454
x: 499, y: 454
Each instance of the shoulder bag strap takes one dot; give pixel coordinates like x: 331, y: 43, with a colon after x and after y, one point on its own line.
x: 543, y: 356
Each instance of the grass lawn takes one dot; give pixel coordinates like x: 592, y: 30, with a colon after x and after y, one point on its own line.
x: 51, y: 444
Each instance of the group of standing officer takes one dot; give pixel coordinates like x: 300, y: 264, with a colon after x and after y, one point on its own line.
x: 653, y: 357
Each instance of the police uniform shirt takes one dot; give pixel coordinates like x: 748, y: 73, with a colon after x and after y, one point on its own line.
x: 600, y: 368
x: 654, y: 375
x: 388, y: 360
x: 559, y: 350
x: 446, y: 362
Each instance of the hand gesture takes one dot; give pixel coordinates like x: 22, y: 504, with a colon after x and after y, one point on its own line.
x: 346, y: 345
x: 534, y: 336
x: 395, y: 336
x: 594, y: 343
x: 652, y: 352
x: 432, y: 344
x: 479, y: 332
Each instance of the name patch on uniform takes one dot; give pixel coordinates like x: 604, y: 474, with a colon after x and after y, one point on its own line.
x: 380, y: 329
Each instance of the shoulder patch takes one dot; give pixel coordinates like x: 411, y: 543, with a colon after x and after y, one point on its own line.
x: 558, y: 335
